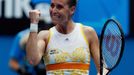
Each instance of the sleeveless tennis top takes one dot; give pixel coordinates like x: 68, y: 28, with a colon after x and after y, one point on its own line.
x: 67, y: 54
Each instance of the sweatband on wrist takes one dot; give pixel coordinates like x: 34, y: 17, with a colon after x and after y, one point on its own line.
x: 33, y: 27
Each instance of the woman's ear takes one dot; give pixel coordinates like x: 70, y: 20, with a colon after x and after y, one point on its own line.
x: 72, y: 10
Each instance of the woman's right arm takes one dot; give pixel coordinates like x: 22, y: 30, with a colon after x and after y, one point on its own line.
x: 36, y: 42
x: 35, y: 47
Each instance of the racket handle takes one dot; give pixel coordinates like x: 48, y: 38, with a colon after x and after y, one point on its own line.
x: 105, y: 71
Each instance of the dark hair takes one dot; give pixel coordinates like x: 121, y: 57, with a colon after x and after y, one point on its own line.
x: 72, y: 3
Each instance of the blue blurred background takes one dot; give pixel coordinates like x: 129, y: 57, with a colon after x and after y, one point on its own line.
x: 14, y: 18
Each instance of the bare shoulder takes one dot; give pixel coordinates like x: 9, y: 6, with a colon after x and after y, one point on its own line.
x: 44, y: 34
x: 90, y: 33
x: 89, y: 30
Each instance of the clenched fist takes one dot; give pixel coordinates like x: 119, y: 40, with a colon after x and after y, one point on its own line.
x: 34, y: 16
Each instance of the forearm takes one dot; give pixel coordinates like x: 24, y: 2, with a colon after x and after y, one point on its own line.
x: 15, y: 66
x: 31, y: 49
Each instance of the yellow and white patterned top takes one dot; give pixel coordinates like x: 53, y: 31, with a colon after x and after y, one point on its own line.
x: 67, y: 48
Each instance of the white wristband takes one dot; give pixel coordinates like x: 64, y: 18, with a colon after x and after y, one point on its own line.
x: 33, y: 27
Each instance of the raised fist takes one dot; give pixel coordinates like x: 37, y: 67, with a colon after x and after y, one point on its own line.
x: 34, y: 16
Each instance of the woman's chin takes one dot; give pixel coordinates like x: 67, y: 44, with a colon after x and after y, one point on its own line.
x: 56, y: 22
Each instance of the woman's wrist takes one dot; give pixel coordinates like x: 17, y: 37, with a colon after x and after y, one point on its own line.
x: 33, y: 27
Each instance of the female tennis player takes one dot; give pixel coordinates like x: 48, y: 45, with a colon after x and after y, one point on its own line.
x: 67, y: 47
